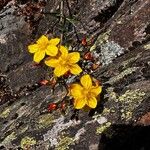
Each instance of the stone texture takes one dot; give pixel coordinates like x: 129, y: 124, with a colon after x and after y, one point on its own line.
x: 120, y: 30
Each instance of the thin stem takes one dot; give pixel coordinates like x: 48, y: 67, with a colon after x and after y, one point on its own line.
x: 71, y: 16
x: 61, y: 19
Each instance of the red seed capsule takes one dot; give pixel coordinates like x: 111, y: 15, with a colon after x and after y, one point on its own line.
x: 63, y: 106
x: 67, y: 74
x: 95, y: 66
x: 88, y: 56
x: 97, y: 82
x: 84, y: 42
x: 52, y: 107
x: 44, y: 82
x: 53, y: 81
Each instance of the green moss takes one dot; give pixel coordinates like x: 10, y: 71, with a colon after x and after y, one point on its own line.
x: 106, y: 111
x: 9, y: 138
x: 112, y: 94
x: 131, y: 95
x: 103, y: 127
x: 26, y: 142
x: 5, y: 113
x: 23, y: 129
x: 126, y: 115
x: 147, y: 47
x: 126, y: 72
x: 127, y: 62
x: 45, y: 120
x: 64, y: 143
x: 96, y: 116
x: 130, y: 100
x: 102, y: 38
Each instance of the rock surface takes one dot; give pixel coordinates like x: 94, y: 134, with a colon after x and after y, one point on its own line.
x: 120, y: 30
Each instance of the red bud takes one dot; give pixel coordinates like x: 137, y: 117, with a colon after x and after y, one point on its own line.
x: 44, y: 82
x: 63, y: 106
x: 67, y: 74
x: 84, y: 42
x: 52, y: 107
x: 88, y: 56
x: 95, y: 66
x: 53, y: 81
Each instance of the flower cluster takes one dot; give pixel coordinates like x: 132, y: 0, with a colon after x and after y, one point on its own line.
x: 58, y: 57
x: 64, y: 62
x: 44, y: 47
x: 85, y: 93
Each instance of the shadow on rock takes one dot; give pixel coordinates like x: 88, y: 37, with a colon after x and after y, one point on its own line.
x: 125, y: 137
x: 100, y: 106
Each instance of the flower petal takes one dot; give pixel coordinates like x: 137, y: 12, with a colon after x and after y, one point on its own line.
x: 54, y: 41
x: 64, y: 52
x: 96, y: 90
x: 38, y: 56
x: 92, y: 102
x: 75, y: 69
x: 33, y: 48
x: 76, y: 90
x: 52, y: 62
x: 60, y: 70
x: 42, y: 40
x: 52, y: 50
x: 86, y: 81
x: 79, y: 103
x: 73, y: 57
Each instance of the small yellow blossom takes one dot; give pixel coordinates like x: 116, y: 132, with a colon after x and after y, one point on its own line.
x: 65, y: 62
x: 85, y: 94
x: 44, y: 46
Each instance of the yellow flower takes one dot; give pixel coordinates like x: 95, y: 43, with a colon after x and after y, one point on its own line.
x: 44, y: 46
x: 85, y: 93
x: 65, y: 62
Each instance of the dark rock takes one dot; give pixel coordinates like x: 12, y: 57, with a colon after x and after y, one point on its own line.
x: 120, y: 33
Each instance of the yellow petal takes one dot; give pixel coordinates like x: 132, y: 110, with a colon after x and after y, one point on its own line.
x: 75, y: 69
x: 76, y: 90
x: 42, y: 40
x: 96, y: 90
x: 60, y: 70
x: 86, y: 81
x: 73, y: 57
x: 92, y: 102
x: 33, y: 48
x: 54, y: 41
x: 38, y: 56
x: 52, y: 50
x: 64, y: 52
x: 52, y: 62
x: 79, y: 103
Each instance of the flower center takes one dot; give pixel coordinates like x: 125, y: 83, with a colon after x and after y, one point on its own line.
x: 86, y: 92
x: 43, y: 46
x: 63, y: 62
